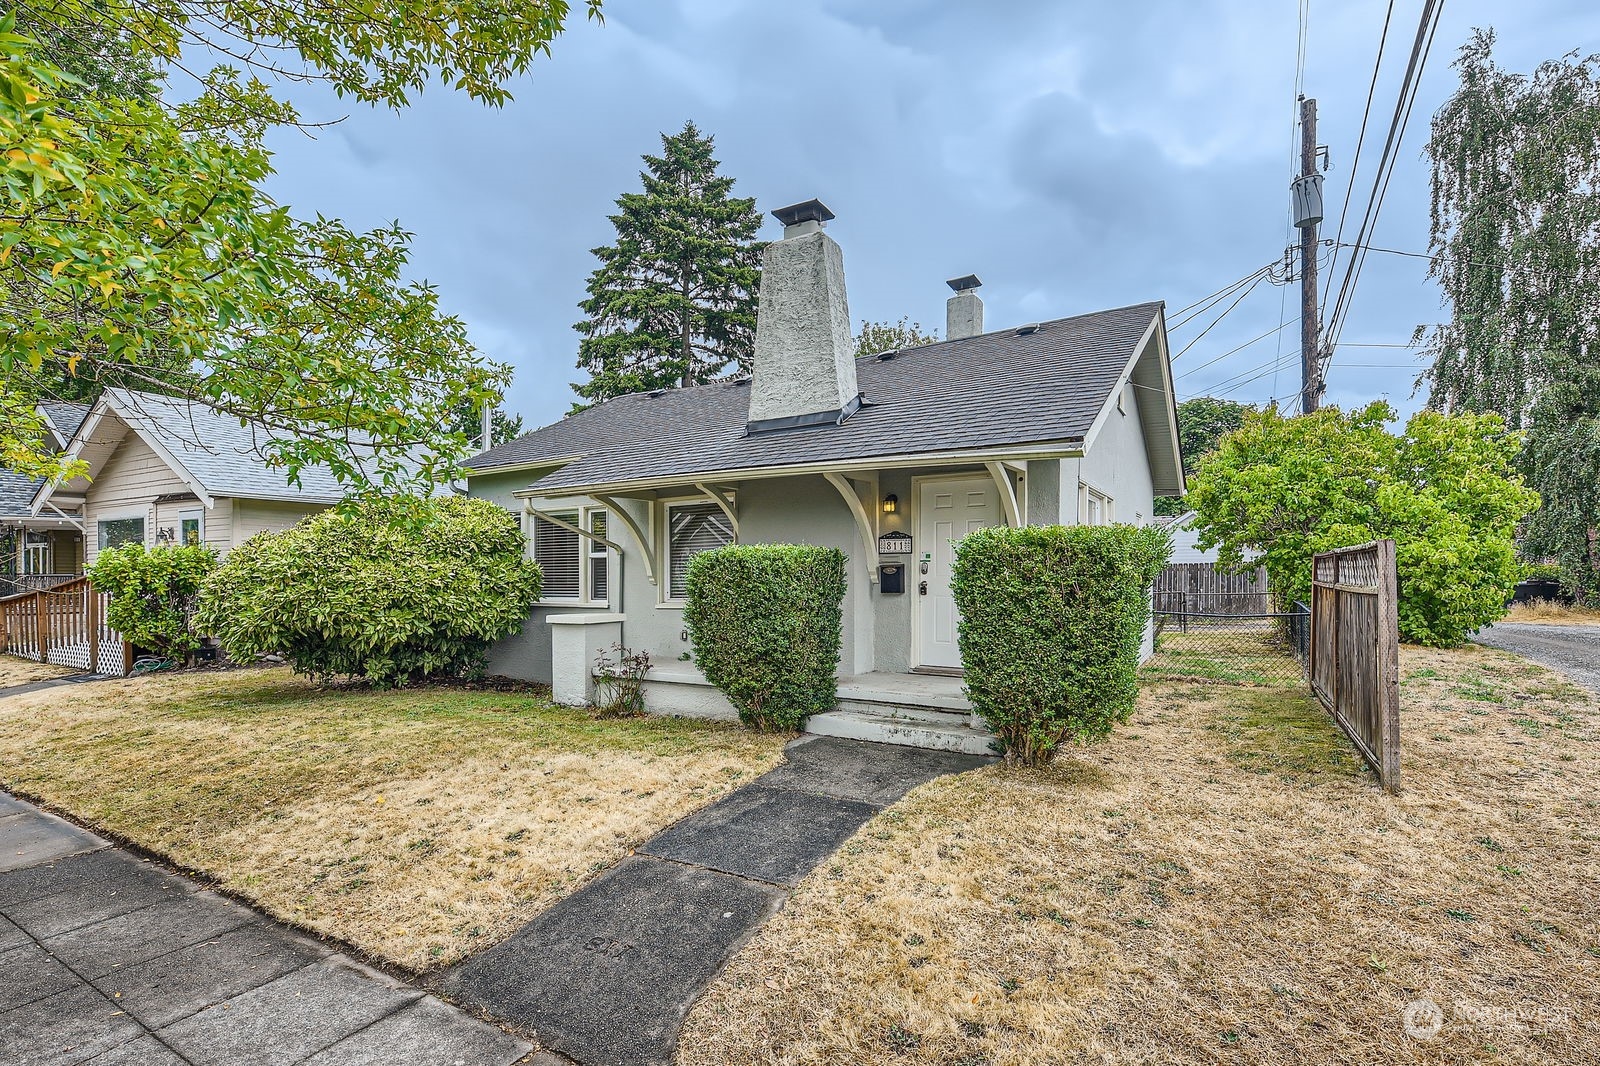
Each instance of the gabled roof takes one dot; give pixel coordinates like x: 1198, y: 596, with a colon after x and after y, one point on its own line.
x: 64, y: 419
x: 1003, y: 389
x: 212, y: 452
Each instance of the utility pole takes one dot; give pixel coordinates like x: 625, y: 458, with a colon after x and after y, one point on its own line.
x: 1307, y: 213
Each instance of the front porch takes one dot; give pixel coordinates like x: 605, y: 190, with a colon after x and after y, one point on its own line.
x: 914, y: 710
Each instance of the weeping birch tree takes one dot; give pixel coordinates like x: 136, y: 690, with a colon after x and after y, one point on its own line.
x: 1516, y: 233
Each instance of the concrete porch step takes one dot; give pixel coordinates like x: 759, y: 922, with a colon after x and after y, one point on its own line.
x: 883, y: 728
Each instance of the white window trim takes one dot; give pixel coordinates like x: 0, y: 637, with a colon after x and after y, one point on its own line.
x: 585, y: 597
x: 660, y: 517
x: 1108, y: 504
x: 120, y: 514
x: 199, y: 515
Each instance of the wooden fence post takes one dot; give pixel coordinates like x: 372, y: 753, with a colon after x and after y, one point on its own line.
x: 92, y: 615
x: 1388, y: 651
x: 44, y: 624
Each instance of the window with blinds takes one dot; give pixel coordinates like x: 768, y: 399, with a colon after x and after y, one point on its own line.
x: 599, y: 555
x: 556, y: 550
x: 691, y: 529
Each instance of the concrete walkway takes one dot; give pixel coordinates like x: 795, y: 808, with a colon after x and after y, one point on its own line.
x: 51, y: 682
x: 606, y: 975
x: 111, y: 961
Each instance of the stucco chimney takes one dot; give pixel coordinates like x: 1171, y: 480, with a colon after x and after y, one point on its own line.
x: 805, y: 369
x: 963, y: 312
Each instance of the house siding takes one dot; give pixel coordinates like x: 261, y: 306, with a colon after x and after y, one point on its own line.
x: 1116, y: 465
x: 131, y: 481
x: 264, y: 516
x: 134, y: 481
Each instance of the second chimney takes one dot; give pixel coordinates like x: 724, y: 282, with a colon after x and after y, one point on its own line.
x: 804, y: 370
x: 963, y: 312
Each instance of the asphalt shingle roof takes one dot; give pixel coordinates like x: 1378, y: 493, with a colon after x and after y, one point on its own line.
x: 16, y: 493
x: 222, y: 455
x: 991, y: 390
x: 66, y: 417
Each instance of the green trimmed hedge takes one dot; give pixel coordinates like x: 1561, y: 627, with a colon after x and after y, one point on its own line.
x: 390, y: 591
x: 153, y: 594
x: 1052, y: 619
x: 765, y: 621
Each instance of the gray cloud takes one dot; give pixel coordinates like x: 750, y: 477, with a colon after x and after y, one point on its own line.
x: 1075, y: 156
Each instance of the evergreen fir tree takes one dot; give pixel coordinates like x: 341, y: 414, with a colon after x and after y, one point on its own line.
x: 673, y: 301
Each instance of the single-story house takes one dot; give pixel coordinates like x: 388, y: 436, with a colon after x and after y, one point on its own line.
x: 891, y: 458
x: 40, y: 549
x: 169, y: 471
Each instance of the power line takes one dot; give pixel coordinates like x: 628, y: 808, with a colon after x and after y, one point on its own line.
x: 1219, y: 318
x: 1183, y: 318
x: 1355, y: 161
x: 1427, y: 24
x: 1254, y: 340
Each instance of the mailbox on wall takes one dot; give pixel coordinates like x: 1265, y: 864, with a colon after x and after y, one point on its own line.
x: 892, y: 577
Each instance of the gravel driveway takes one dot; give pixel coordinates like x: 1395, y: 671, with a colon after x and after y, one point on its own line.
x: 1571, y: 650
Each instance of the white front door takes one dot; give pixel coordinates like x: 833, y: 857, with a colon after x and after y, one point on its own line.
x: 946, y: 512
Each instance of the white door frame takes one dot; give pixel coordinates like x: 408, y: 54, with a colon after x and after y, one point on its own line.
x: 919, y: 538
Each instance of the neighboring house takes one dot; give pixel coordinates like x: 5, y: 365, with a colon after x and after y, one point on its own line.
x: 40, y: 549
x: 891, y: 458
x: 166, y: 471
x: 1186, y: 541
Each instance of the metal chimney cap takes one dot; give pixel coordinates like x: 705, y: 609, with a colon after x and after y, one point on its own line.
x: 961, y: 284
x: 810, y: 211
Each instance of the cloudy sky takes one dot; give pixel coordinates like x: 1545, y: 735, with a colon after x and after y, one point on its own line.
x: 1075, y: 156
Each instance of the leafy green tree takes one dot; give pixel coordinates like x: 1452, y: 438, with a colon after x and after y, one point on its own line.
x: 876, y: 337
x: 1516, y: 232
x: 137, y: 247
x: 1563, y: 457
x: 469, y: 423
x: 673, y: 301
x: 1446, y: 490
x: 1202, y: 422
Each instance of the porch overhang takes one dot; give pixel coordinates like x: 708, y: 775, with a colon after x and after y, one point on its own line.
x: 649, y: 488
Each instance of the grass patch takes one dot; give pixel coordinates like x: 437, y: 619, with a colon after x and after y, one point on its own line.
x: 1550, y: 613
x: 1201, y: 911
x: 15, y: 671
x: 1283, y: 731
x: 419, y: 824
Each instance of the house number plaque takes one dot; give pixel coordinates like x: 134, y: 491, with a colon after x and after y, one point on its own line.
x: 894, y: 544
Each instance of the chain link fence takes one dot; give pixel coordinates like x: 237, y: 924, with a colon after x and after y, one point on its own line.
x: 1265, y: 649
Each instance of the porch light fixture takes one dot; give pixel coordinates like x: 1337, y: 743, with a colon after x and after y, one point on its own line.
x: 891, y: 503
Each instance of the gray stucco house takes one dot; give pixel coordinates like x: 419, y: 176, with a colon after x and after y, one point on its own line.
x: 890, y: 458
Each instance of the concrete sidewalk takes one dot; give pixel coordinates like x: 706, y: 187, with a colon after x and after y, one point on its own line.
x: 606, y: 975
x: 111, y: 961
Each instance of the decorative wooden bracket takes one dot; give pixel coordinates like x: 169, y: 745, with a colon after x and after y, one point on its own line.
x: 869, y: 540
x: 564, y: 524
x: 646, y: 551
x: 725, y: 503
x: 1008, y: 492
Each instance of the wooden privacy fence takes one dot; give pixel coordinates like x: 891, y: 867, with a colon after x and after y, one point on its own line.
x: 1355, y: 650
x: 1200, y: 588
x: 65, y: 626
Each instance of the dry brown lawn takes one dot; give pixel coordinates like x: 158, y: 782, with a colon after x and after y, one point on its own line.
x: 15, y: 671
x: 416, y: 825
x: 1220, y: 882
x: 1548, y: 613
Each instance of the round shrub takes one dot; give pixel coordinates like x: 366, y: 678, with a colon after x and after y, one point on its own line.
x: 1052, y: 619
x: 390, y: 591
x: 765, y: 621
x: 153, y: 594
